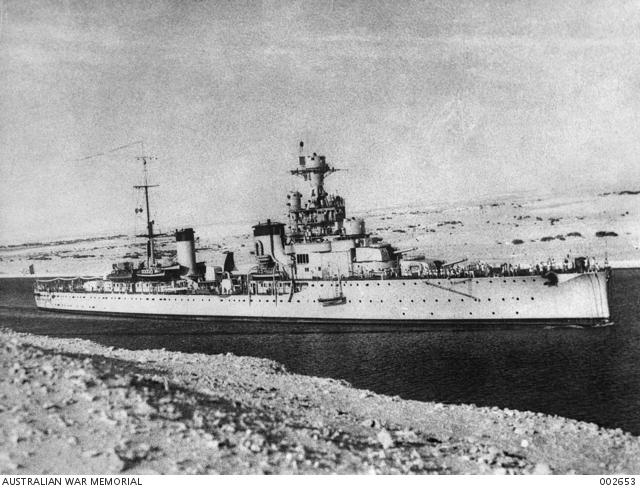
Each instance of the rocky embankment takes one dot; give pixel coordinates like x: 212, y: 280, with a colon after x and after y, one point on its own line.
x: 73, y: 406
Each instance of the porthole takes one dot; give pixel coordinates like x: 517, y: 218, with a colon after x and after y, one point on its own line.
x: 532, y: 298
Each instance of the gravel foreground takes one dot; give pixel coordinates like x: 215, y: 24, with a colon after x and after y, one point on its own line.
x: 73, y: 406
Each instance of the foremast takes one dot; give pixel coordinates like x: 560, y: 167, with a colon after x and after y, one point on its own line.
x: 321, y: 214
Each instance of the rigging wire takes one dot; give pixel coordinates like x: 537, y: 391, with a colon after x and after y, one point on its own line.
x: 109, y: 151
x: 136, y: 198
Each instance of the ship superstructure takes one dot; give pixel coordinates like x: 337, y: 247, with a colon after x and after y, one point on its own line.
x: 322, y: 266
x: 319, y: 242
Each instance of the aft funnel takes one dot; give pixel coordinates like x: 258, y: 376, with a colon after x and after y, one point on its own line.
x: 186, y: 250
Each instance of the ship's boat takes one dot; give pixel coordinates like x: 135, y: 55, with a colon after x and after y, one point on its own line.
x: 321, y: 266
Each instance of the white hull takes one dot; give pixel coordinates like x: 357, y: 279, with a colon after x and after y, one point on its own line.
x: 579, y: 298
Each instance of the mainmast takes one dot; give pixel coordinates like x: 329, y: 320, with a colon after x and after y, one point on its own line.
x: 151, y: 261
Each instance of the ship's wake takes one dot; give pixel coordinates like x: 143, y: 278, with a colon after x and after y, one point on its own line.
x: 564, y: 326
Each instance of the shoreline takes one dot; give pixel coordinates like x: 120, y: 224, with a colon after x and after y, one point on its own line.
x: 74, y: 406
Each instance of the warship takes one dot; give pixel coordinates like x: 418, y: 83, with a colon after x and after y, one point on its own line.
x: 320, y: 266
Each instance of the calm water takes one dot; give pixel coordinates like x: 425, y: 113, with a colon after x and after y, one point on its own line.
x: 592, y: 374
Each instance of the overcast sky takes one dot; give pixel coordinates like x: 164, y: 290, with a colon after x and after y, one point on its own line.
x: 420, y: 101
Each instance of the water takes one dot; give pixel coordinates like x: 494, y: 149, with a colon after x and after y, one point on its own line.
x: 591, y: 374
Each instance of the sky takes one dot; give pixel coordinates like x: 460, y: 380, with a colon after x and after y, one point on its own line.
x: 421, y: 101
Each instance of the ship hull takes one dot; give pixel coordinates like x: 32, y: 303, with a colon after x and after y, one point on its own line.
x: 575, y: 299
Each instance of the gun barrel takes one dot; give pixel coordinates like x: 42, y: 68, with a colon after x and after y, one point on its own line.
x: 399, y: 252
x: 454, y: 262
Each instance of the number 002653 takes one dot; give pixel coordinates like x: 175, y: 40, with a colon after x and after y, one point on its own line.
x: 617, y: 481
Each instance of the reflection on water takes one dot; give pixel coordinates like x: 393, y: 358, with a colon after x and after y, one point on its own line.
x: 590, y: 374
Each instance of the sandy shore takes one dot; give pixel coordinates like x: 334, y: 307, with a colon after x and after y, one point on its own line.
x: 73, y: 406
x: 522, y: 231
